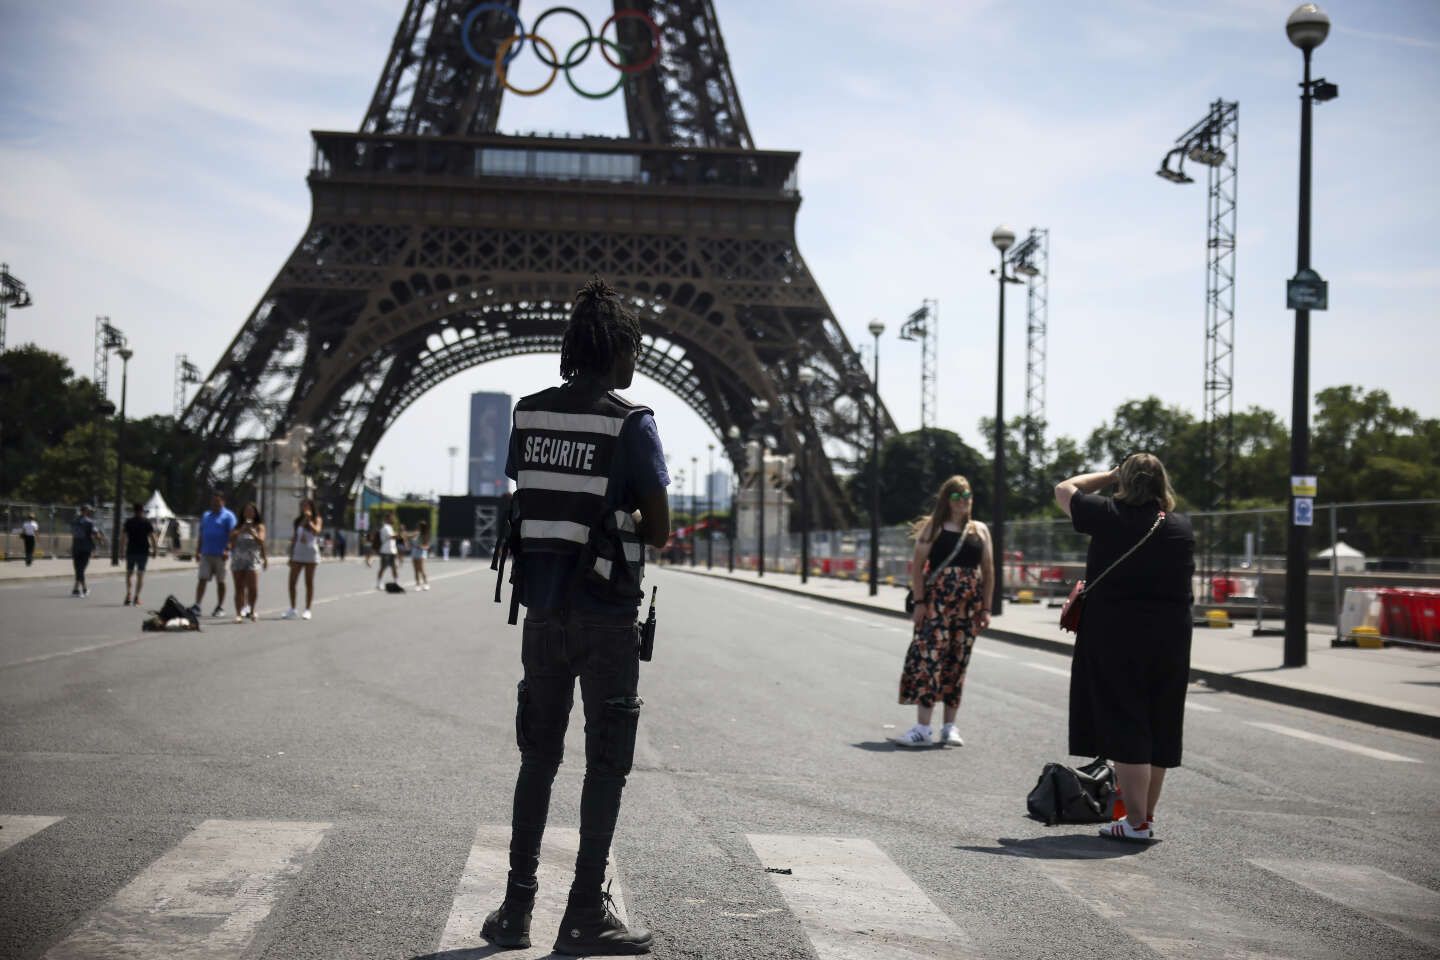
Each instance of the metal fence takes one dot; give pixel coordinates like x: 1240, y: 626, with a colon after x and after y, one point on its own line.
x: 54, y: 520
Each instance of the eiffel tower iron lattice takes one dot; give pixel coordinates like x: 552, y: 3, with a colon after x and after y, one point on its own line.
x: 436, y: 244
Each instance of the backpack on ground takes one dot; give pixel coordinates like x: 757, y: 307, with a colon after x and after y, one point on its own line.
x: 393, y: 587
x: 1069, y: 795
x: 172, y: 615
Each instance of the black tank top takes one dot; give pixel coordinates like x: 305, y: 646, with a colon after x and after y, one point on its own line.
x: 970, y: 551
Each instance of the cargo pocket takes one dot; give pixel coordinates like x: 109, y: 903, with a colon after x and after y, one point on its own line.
x: 622, y: 720
x: 522, y: 697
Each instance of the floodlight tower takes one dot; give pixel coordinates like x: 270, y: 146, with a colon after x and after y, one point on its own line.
x: 924, y: 325
x: 107, y: 338
x: 13, y: 293
x: 185, y: 373
x: 1031, y: 260
x: 1214, y: 142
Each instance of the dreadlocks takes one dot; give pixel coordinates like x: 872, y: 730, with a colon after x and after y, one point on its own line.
x: 600, y: 327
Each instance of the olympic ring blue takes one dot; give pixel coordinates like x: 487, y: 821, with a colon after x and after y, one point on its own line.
x: 470, y: 23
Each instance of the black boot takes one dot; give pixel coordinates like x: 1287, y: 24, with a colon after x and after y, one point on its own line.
x: 509, y: 927
x: 597, y: 931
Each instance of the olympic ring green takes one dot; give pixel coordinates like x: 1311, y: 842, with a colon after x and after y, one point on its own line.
x: 620, y: 82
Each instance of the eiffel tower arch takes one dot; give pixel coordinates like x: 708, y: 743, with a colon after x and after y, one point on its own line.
x: 436, y: 245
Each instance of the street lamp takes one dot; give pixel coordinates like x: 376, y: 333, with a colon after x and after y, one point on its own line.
x: 710, y: 510
x: 762, y: 411
x: 694, y: 520
x: 125, y: 354
x: 734, y: 528
x: 807, y: 377
x: 1004, y: 239
x: 1307, y: 28
x: 876, y: 328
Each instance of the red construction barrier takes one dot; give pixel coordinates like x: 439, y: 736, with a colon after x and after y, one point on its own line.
x: 1410, y: 613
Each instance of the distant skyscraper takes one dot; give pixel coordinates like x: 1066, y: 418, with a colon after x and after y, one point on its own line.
x: 489, y: 442
x: 717, y: 487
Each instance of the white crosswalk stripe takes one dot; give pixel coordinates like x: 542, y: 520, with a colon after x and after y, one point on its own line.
x: 1175, y: 920
x: 1345, y: 745
x: 482, y: 888
x: 1408, y: 907
x: 204, y: 899
x: 1046, y: 668
x: 13, y: 830
x: 854, y: 903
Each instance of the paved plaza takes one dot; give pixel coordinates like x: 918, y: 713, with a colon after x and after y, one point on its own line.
x: 341, y: 788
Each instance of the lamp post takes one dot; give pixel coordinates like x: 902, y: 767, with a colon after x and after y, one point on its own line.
x: 762, y: 411
x: 733, y: 526
x: 125, y: 354
x: 710, y: 510
x: 453, y: 452
x: 1307, y: 28
x: 1004, y: 239
x: 694, y: 520
x: 807, y: 377
x: 876, y: 328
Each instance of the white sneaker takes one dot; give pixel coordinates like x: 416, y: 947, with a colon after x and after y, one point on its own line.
x: 306, y: 614
x: 950, y: 736
x: 916, y: 736
x: 1121, y: 830
x: 289, y: 614
x: 244, y: 612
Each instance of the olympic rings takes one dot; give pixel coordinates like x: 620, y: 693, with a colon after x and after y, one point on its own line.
x: 513, y: 44
x: 500, y: 62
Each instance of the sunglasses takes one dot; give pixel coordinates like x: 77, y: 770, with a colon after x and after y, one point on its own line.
x: 960, y: 495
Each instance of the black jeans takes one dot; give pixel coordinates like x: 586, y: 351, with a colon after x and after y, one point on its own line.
x: 602, y: 649
x: 29, y: 548
x: 79, y: 559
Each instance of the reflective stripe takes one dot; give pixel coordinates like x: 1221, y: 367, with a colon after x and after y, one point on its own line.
x: 603, y: 567
x: 554, y: 530
x: 569, y: 483
x: 570, y: 422
x: 632, y: 552
x: 625, y: 521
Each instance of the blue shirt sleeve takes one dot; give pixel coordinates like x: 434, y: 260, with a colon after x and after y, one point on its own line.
x: 645, y: 457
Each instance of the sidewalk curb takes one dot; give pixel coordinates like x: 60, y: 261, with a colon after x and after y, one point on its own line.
x: 105, y: 571
x: 1363, y: 711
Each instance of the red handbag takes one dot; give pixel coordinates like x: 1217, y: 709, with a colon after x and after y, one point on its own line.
x: 1075, y: 603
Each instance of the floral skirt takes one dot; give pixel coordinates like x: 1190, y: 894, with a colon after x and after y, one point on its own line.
x: 939, y: 654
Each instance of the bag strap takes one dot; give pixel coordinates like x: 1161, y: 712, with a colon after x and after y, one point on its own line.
x: 935, y: 571
x: 1159, y: 519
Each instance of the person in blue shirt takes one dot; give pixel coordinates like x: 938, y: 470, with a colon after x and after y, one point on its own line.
x: 586, y: 460
x: 212, y: 550
x: 85, y: 534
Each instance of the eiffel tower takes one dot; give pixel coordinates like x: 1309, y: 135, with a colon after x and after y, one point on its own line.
x: 436, y: 244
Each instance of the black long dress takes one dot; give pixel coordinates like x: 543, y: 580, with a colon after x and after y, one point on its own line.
x: 1132, y: 651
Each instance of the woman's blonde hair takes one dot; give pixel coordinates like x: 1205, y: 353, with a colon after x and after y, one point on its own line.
x: 1143, y: 480
x: 928, y: 528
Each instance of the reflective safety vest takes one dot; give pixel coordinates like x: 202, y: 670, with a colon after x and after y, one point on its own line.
x: 567, y: 448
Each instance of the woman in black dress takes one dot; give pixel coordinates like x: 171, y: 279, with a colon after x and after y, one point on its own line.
x: 1132, y: 651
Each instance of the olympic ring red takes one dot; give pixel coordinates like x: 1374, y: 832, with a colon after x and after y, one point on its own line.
x: 511, y: 46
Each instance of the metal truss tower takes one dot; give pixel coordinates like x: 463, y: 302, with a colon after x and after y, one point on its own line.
x: 924, y: 325
x: 185, y: 373
x: 1037, y: 319
x: 107, y: 338
x: 1214, y: 143
x: 436, y: 244
x: 13, y: 293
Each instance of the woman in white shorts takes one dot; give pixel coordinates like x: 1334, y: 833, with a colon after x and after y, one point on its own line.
x: 419, y: 553
x: 304, y: 555
x: 247, y: 559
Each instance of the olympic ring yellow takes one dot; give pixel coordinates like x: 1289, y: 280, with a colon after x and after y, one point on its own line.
x: 500, y: 70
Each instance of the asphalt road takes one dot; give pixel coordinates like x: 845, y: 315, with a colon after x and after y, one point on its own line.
x: 340, y: 788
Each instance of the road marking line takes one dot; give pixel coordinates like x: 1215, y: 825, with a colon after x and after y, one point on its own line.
x: 14, y: 829
x: 855, y: 903
x: 204, y: 898
x: 482, y: 888
x: 1174, y: 919
x: 1201, y: 707
x: 1058, y: 671
x: 1332, y: 742
x: 977, y: 651
x: 1404, y: 906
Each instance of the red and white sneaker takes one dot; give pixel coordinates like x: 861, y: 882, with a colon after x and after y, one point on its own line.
x: 1121, y: 830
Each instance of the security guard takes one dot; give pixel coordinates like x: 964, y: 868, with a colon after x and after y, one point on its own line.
x: 591, y: 481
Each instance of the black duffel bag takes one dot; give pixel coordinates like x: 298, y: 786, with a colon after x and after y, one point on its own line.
x: 1068, y: 795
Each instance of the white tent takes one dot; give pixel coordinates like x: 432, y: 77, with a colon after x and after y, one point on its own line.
x: 1346, y: 558
x: 159, y: 511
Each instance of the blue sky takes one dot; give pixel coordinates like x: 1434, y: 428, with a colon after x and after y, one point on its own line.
x: 155, y: 157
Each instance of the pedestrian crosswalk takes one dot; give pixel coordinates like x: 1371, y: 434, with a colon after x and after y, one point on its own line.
x: 210, y: 894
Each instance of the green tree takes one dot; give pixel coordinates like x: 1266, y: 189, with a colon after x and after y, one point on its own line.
x: 41, y: 400
x: 81, y: 468
x: 1171, y: 433
x: 1364, y: 447
x: 912, y: 467
x: 1260, y: 470
x: 171, y: 457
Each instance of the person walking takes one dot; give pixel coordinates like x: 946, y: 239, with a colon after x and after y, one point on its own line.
x: 212, y: 551
x: 387, y: 549
x: 340, y: 544
x: 419, y: 553
x: 141, y: 543
x: 85, y: 534
x: 950, y: 576
x: 1132, y: 651
x: 29, y: 531
x: 304, y: 555
x: 592, y: 479
x: 247, y: 558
